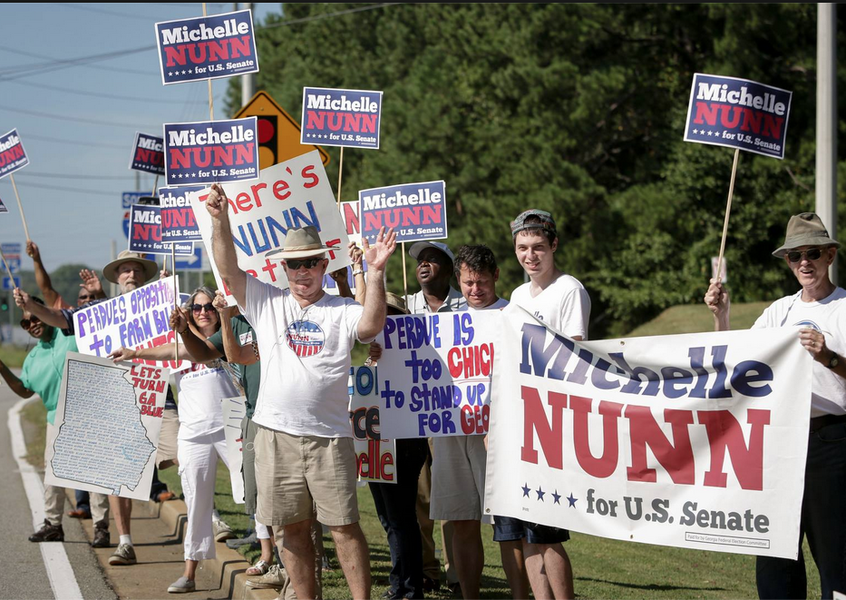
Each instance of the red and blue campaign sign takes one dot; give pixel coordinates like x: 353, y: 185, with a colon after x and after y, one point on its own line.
x: 416, y: 211
x: 178, y: 223
x: 127, y: 199
x: 334, y: 117
x: 145, y: 234
x: 738, y: 113
x: 147, y: 154
x: 12, y: 154
x: 211, y: 151
x: 207, y: 47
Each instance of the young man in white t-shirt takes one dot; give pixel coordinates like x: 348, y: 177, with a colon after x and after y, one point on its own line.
x: 304, y: 448
x: 819, y: 310
x: 560, y: 301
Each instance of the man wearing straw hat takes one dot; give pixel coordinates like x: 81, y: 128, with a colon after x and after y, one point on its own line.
x: 129, y: 271
x: 819, y: 309
x: 304, y: 447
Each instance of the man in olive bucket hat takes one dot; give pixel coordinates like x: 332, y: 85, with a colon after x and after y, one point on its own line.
x: 820, y: 309
x: 129, y: 271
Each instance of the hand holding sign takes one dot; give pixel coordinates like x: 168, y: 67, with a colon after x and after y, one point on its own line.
x: 717, y: 299
x: 217, y: 203
x: 178, y: 320
x: 378, y: 254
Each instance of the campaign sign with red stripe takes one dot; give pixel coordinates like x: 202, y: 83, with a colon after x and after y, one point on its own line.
x: 178, y: 222
x: 333, y: 117
x: 211, y: 151
x: 207, y: 47
x: 145, y: 233
x: 416, y: 211
x: 147, y: 154
x: 12, y: 154
x: 738, y: 113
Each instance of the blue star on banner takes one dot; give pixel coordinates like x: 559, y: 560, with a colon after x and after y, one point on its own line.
x: 572, y: 500
x: 526, y: 490
x: 556, y: 497
x: 540, y: 493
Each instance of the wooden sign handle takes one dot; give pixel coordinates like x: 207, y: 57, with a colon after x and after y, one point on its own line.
x: 728, y: 210
x: 20, y: 206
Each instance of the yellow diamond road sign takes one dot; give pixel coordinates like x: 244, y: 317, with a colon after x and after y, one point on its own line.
x: 278, y: 132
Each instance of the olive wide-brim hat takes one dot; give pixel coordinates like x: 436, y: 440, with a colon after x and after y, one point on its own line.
x: 805, y: 229
x: 110, y: 270
x: 301, y: 243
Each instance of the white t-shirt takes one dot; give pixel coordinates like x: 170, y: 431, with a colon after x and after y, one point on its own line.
x: 305, y: 360
x: 564, y: 305
x: 201, y: 389
x: 499, y: 304
x: 828, y: 390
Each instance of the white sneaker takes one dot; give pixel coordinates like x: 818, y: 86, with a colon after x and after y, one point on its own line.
x: 222, y: 531
x: 182, y: 586
x: 276, y: 577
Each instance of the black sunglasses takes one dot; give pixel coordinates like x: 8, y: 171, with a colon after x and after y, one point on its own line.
x: 811, y: 254
x: 27, y: 323
x: 208, y: 306
x: 308, y: 263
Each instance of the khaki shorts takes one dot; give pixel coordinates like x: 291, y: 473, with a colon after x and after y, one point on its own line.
x: 167, y: 436
x: 458, y: 479
x: 295, y: 474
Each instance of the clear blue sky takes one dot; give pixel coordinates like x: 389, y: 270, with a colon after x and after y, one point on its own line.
x: 78, y: 123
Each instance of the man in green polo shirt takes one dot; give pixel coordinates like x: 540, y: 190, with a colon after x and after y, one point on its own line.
x: 42, y: 375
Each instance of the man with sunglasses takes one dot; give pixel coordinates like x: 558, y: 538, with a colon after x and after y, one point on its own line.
x: 819, y: 309
x: 42, y: 375
x: 304, y: 446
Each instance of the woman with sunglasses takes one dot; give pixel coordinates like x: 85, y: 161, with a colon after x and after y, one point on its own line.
x: 201, y: 388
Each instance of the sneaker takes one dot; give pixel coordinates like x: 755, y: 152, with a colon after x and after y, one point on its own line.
x: 276, y: 577
x: 124, y: 555
x: 48, y: 533
x: 222, y: 531
x: 181, y: 586
x: 238, y: 542
x: 101, y: 535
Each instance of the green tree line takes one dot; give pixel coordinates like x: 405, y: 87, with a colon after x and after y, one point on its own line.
x: 577, y: 109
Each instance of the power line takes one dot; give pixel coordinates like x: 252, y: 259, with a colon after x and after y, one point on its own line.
x: 106, y: 12
x: 327, y: 15
x: 28, y: 173
x: 44, y: 138
x: 54, y: 64
x: 97, y: 94
x: 35, y: 113
x: 64, y: 188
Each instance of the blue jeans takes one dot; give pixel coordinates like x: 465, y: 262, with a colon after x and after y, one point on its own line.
x: 395, y: 505
x: 823, y: 521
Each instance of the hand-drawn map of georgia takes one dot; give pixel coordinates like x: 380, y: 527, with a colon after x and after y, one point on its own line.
x: 107, y: 427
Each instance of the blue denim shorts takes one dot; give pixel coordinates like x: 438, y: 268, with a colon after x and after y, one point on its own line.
x: 508, y: 529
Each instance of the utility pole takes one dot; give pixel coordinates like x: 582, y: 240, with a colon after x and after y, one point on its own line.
x: 826, y: 167
x: 248, y: 81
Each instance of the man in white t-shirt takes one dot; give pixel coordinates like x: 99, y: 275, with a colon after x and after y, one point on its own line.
x: 304, y: 446
x: 819, y: 310
x: 560, y: 301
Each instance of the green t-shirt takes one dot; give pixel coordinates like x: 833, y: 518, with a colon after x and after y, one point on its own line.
x: 42, y: 369
x: 250, y: 374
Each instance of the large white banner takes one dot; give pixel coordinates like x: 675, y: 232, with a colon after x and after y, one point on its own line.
x: 295, y: 193
x: 435, y: 373
x: 375, y: 456
x: 696, y: 441
x: 107, y: 426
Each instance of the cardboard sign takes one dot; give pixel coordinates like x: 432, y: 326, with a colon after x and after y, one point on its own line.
x: 207, y: 47
x: 416, y: 211
x: 334, y: 117
x: 177, y: 216
x: 435, y: 373
x: 695, y: 441
x: 147, y: 154
x: 12, y: 154
x: 145, y: 233
x: 107, y: 425
x: 295, y: 193
x: 349, y: 213
x: 211, y: 151
x: 375, y: 455
x: 234, y: 410
x: 738, y: 113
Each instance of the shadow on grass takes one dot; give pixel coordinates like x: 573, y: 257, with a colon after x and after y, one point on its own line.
x: 652, y: 586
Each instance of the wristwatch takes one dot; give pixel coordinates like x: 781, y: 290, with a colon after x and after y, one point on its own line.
x: 833, y: 361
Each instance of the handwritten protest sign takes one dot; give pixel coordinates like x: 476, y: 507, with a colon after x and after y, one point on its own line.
x: 107, y: 426
x: 137, y: 319
x: 335, y: 117
x: 147, y: 154
x: 207, y: 47
x: 234, y: 410
x: 416, y: 211
x: 295, y: 193
x: 177, y: 216
x: 145, y: 232
x: 211, y: 151
x: 435, y: 374
x: 12, y: 154
x: 349, y: 213
x: 696, y: 441
x: 375, y: 455
x: 738, y: 113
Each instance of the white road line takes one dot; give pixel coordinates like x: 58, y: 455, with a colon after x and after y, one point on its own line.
x: 59, y: 571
